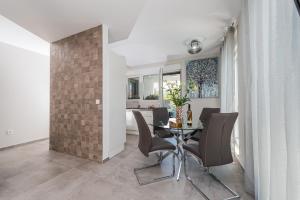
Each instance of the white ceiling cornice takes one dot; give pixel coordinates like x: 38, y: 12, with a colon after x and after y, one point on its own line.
x: 56, y: 19
x: 143, y: 31
x: 12, y: 34
x: 163, y: 27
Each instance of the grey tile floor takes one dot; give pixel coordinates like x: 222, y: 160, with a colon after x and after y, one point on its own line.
x: 32, y: 172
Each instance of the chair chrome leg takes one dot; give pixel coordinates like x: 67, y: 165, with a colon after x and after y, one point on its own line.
x: 136, y: 170
x: 163, y: 156
x: 160, y: 156
x: 179, y: 169
x: 173, y: 164
x: 235, y: 195
x: 189, y: 179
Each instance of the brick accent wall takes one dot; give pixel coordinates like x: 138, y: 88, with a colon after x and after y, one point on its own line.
x: 76, y: 84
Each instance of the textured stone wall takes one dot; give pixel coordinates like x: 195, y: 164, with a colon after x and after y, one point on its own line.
x: 76, y: 84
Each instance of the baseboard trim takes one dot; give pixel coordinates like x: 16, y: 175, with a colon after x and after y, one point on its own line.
x: 113, y: 153
x: 105, y: 160
x: 116, y: 151
x: 132, y: 132
x: 22, y: 144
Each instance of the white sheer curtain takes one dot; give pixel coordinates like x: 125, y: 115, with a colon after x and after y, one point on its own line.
x: 228, y: 72
x: 244, y: 99
x: 229, y: 90
x: 269, y: 97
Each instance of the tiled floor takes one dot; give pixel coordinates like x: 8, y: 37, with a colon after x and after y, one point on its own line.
x: 32, y: 172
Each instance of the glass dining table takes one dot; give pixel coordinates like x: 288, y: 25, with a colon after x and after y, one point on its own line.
x: 182, y: 134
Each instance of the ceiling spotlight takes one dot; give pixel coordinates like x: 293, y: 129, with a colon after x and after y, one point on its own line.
x: 194, y: 46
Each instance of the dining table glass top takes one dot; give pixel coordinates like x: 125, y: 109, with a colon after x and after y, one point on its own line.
x: 185, y: 126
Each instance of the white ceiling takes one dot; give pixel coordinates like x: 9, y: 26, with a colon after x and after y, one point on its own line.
x: 163, y: 26
x: 56, y: 19
x: 144, y: 31
x: 12, y: 34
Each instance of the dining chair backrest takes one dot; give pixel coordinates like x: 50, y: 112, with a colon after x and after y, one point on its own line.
x: 215, y: 142
x: 145, y: 138
x: 206, y: 113
x: 160, y: 115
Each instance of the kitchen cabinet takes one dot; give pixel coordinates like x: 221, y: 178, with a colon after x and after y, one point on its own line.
x: 131, y: 125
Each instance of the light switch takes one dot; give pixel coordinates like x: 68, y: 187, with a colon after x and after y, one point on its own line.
x: 10, y: 132
x: 97, y: 101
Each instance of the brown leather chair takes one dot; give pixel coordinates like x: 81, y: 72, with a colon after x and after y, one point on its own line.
x: 214, y: 147
x: 161, y: 117
x: 148, y: 144
x: 204, y: 118
x: 206, y: 114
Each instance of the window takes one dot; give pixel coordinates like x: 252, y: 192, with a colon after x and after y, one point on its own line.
x: 151, y: 87
x: 170, y: 78
x: 133, y: 88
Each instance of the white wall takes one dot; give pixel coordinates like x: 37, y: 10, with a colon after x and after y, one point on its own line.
x: 114, y: 100
x: 24, y: 91
x: 117, y: 104
x: 140, y: 72
x: 173, y: 66
x: 105, y: 94
x: 15, y: 35
x: 198, y: 104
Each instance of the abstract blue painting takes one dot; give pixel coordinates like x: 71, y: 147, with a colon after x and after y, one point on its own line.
x: 202, y: 78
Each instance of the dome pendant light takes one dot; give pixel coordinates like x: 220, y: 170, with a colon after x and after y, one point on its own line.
x: 194, y: 46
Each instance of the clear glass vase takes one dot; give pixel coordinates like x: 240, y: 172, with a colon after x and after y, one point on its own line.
x: 179, y: 116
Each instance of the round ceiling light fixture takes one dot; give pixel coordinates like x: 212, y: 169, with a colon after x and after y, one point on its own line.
x: 194, y: 46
